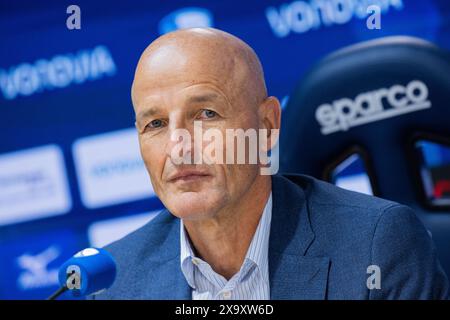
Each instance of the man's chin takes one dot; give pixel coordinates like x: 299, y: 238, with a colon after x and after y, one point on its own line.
x: 192, y: 205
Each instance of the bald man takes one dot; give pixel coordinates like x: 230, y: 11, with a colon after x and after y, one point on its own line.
x: 231, y: 232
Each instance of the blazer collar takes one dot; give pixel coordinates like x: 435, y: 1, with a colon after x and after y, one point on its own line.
x: 292, y: 273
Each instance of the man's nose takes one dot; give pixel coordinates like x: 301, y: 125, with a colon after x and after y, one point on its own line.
x: 180, y: 144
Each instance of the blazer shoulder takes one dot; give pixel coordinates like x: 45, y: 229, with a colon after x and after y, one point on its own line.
x: 323, y: 194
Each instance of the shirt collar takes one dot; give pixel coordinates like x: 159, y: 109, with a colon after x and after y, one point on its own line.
x: 257, y: 252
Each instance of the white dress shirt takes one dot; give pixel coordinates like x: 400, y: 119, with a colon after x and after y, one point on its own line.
x: 252, y: 280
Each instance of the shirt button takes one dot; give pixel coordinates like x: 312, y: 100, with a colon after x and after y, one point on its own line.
x: 226, y: 294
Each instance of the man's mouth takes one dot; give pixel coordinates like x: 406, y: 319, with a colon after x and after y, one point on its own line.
x: 188, y: 176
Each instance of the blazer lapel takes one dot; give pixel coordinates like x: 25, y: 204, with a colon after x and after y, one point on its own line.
x: 293, y: 274
x: 174, y: 286
x: 164, y: 263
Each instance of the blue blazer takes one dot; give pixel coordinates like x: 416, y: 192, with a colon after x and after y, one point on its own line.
x: 322, y: 240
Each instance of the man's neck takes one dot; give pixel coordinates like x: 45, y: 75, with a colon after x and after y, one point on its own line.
x: 224, y: 239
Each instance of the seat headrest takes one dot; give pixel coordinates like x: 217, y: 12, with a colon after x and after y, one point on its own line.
x: 376, y: 95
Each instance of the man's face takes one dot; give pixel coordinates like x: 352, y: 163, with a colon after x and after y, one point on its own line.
x: 166, y: 100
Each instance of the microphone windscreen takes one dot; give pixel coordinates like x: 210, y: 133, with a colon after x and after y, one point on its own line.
x: 89, y: 271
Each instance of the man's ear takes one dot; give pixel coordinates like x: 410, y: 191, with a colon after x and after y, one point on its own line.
x: 270, y: 115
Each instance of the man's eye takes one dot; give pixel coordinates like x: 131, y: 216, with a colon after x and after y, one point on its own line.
x: 154, y: 124
x: 208, y: 114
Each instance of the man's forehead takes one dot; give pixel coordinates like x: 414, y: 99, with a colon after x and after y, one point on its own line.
x: 175, y: 74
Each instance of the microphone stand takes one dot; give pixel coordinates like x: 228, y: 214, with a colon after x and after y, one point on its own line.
x: 57, y: 293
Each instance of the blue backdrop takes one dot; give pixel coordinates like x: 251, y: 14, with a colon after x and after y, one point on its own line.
x: 70, y: 171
